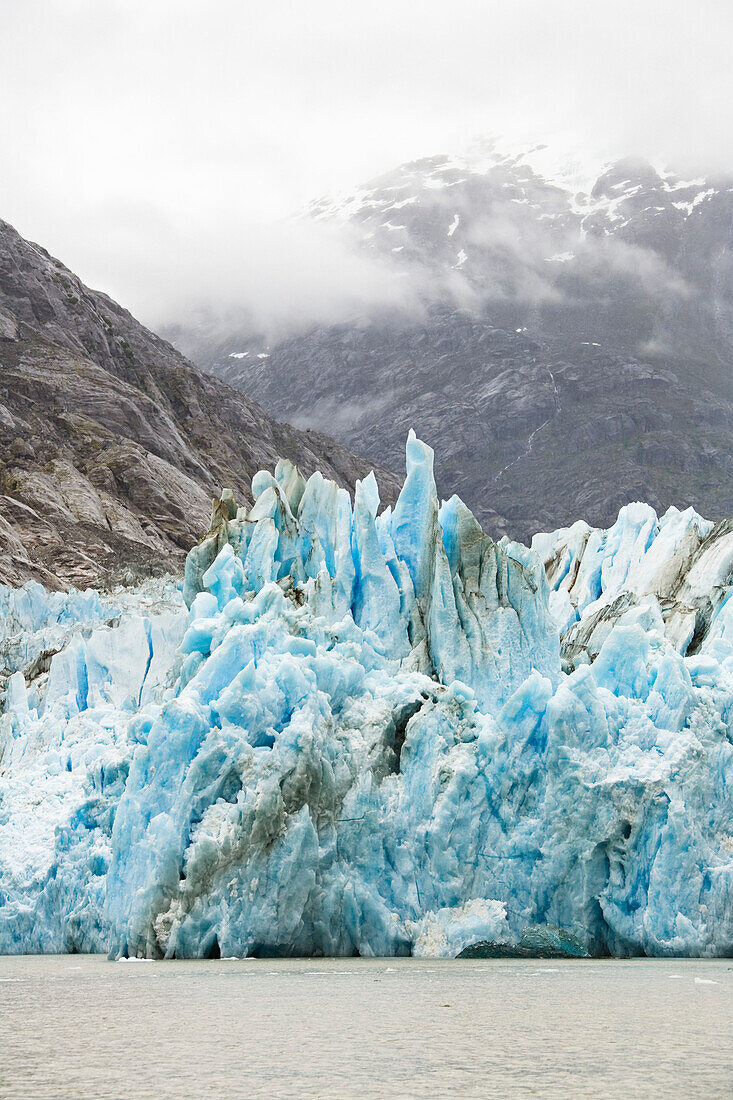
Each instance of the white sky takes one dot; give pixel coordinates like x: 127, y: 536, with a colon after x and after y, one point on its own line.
x: 152, y: 144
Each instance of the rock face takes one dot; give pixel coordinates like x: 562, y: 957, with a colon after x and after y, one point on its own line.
x: 361, y: 739
x: 112, y: 445
x: 574, y: 350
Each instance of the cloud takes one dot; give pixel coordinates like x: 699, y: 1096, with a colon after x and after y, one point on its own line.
x: 227, y: 270
x: 157, y: 145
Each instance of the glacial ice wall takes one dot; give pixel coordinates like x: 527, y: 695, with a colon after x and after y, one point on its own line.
x: 74, y: 669
x: 361, y: 738
x: 677, y: 568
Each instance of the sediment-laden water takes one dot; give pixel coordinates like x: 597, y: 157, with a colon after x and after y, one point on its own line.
x: 80, y: 1026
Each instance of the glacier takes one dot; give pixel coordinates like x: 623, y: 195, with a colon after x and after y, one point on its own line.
x: 359, y: 731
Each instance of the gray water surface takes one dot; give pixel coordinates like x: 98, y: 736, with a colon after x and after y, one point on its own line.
x: 80, y: 1026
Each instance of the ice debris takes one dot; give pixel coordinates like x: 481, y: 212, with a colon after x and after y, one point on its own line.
x: 359, y: 737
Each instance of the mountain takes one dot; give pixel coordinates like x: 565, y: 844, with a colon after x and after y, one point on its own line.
x: 112, y: 444
x: 571, y: 351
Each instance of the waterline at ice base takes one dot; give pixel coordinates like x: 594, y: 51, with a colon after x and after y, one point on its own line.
x: 353, y: 731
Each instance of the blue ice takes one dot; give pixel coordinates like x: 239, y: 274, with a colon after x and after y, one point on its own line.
x: 357, y: 737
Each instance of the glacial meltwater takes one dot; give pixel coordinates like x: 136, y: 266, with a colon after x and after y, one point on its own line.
x: 80, y: 1026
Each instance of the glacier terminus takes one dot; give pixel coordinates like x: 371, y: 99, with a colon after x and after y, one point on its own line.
x: 376, y: 732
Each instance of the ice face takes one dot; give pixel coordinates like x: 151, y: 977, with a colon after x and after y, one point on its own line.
x: 678, y: 567
x: 91, y: 663
x: 359, y: 738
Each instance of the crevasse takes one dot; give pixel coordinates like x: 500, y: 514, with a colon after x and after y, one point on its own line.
x: 363, y: 736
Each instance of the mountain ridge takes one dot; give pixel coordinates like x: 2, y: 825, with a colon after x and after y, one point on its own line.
x: 113, y: 445
x: 573, y: 351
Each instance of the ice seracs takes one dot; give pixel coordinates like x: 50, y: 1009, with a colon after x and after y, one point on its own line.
x: 678, y: 566
x: 78, y: 667
x: 361, y: 738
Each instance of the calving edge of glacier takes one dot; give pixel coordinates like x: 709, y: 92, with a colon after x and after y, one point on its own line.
x: 377, y: 733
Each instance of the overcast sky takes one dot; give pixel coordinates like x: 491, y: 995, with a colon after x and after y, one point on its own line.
x: 154, y: 145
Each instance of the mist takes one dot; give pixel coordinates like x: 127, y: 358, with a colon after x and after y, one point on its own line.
x: 226, y: 272
x: 160, y: 149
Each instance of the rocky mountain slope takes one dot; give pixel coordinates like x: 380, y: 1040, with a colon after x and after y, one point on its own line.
x: 573, y: 351
x: 112, y: 444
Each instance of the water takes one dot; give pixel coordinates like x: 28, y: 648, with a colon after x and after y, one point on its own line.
x: 79, y: 1026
